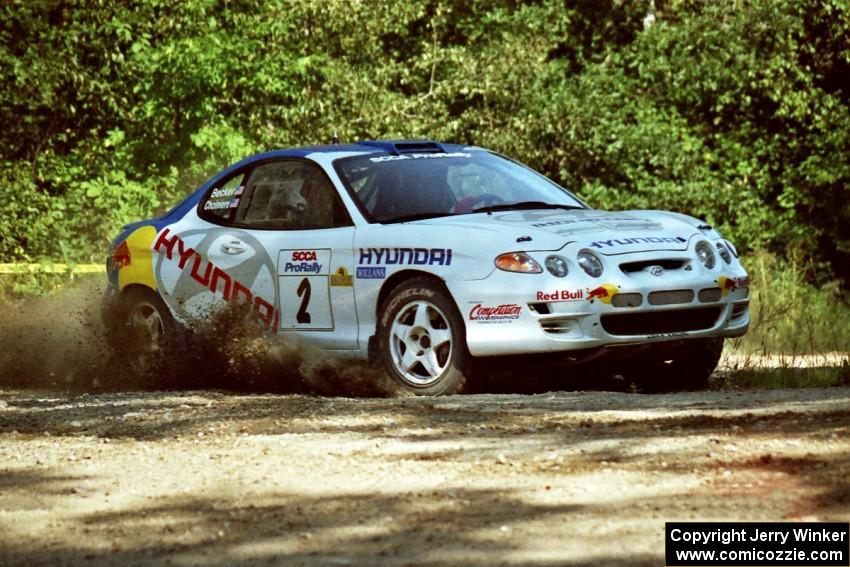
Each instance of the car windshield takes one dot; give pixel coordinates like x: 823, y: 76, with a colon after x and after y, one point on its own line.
x: 396, y: 188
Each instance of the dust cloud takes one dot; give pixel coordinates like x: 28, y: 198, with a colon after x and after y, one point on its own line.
x: 60, y: 342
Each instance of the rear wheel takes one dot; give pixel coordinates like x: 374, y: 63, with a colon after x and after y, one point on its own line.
x: 421, y: 340
x: 687, y: 366
x: 146, y: 327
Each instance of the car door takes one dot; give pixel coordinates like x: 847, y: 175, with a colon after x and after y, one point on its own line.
x: 293, y: 211
x: 202, y: 262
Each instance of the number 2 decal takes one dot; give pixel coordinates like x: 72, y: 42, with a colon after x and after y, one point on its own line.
x: 303, y: 291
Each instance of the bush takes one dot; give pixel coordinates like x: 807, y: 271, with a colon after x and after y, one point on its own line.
x: 789, y: 313
x: 738, y: 113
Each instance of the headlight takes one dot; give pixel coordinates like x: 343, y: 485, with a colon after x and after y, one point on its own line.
x: 732, y: 248
x: 724, y: 252
x: 590, y: 263
x: 518, y: 262
x: 557, y: 266
x: 705, y: 254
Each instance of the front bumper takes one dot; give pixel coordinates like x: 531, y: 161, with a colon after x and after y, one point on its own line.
x: 512, y: 313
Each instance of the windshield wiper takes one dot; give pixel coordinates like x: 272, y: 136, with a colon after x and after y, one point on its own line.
x: 415, y: 217
x: 525, y: 205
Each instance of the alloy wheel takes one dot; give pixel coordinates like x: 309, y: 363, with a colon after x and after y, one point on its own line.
x: 420, y: 343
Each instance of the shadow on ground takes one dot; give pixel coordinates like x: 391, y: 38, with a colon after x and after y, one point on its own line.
x: 476, y: 436
x: 457, y: 526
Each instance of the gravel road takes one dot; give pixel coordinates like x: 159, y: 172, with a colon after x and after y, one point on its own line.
x: 564, y: 478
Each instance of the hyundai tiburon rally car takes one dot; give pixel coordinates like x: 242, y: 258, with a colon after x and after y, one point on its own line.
x: 425, y: 257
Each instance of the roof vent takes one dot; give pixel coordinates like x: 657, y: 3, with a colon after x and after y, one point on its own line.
x: 397, y: 147
x: 419, y: 147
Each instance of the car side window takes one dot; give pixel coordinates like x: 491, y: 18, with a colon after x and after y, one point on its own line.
x: 290, y: 194
x: 222, y: 201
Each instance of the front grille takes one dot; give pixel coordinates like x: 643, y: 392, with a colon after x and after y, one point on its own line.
x: 668, y: 264
x: 627, y: 300
x: 710, y: 295
x: 655, y: 322
x: 672, y: 297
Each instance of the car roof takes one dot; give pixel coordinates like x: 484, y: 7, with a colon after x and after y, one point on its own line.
x: 365, y: 147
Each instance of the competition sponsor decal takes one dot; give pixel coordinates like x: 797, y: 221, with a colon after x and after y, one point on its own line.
x: 303, y: 262
x: 302, y: 255
x: 638, y: 240
x: 406, y: 256
x: 199, y: 275
x: 727, y: 284
x: 528, y: 216
x: 561, y: 295
x: 603, y: 293
x: 341, y: 278
x: 366, y: 273
x: 504, y: 313
x: 544, y: 219
x: 561, y: 222
x: 403, y: 157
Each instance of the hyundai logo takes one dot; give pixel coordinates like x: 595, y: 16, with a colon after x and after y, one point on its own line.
x: 656, y: 270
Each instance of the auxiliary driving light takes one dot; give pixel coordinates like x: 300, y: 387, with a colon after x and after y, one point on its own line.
x: 705, y: 254
x: 557, y: 266
x: 724, y: 252
x: 590, y: 263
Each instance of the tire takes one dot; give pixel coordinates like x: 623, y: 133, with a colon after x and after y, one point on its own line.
x: 145, y: 329
x: 687, y: 366
x: 421, y: 340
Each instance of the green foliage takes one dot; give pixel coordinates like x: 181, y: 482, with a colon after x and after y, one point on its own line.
x: 14, y: 287
x: 737, y: 112
x: 789, y: 313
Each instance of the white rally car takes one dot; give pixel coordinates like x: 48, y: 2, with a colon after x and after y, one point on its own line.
x: 426, y: 256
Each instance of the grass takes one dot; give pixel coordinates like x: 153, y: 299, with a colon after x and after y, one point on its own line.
x: 26, y: 286
x: 799, y: 333
x: 790, y: 314
x: 768, y: 378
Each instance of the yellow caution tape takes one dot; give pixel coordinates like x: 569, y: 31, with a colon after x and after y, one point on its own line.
x: 52, y: 268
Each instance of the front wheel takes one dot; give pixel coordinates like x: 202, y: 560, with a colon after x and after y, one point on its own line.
x: 421, y: 340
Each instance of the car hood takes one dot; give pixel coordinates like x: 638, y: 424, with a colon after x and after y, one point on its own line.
x: 605, y: 232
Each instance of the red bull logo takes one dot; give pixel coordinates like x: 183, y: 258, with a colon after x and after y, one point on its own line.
x: 728, y: 285
x: 561, y: 295
x: 604, y: 293
x: 121, y: 256
x: 131, y: 260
